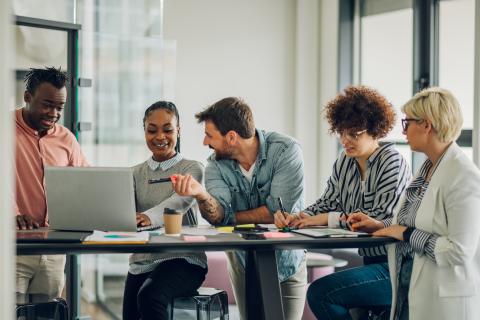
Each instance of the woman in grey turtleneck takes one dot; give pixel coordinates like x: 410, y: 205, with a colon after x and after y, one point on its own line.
x: 154, y: 279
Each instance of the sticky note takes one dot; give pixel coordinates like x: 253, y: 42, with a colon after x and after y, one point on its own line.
x: 194, y: 238
x: 276, y: 234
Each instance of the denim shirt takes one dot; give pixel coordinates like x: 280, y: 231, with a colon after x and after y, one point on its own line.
x: 278, y: 172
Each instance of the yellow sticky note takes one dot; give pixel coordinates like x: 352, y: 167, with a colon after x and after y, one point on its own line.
x: 225, y: 229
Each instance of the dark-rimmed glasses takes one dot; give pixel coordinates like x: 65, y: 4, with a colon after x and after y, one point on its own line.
x: 406, y: 123
x: 352, y: 136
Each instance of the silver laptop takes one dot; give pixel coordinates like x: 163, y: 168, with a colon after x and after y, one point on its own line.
x: 90, y: 198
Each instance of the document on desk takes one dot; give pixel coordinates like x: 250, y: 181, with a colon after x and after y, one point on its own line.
x: 330, y: 233
x: 101, y: 237
x: 200, y: 231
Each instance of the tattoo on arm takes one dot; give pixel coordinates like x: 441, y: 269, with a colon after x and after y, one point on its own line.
x: 211, y: 210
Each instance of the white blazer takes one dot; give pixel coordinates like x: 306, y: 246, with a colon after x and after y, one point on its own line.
x: 448, y: 288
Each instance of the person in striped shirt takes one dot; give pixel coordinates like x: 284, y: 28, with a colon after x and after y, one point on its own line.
x: 367, y: 177
x: 435, y: 265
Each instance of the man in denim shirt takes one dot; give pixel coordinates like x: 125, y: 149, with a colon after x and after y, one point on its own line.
x: 249, y: 170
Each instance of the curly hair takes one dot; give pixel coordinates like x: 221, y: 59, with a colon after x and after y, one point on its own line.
x: 360, y: 108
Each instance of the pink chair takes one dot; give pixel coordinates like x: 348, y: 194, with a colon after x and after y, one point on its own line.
x: 217, y: 276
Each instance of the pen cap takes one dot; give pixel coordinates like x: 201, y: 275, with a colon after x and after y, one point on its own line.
x: 170, y: 211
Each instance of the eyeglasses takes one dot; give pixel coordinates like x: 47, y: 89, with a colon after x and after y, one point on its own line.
x: 406, y: 123
x: 352, y: 136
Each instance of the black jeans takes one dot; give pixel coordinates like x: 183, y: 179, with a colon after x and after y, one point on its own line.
x: 147, y: 295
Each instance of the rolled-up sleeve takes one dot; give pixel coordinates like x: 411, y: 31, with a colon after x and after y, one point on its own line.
x: 218, y: 188
x: 288, y: 181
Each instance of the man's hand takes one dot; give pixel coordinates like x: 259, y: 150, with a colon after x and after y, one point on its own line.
x: 25, y: 222
x: 143, y: 220
x: 361, y: 222
x: 395, y: 231
x: 188, y: 186
x: 282, y: 220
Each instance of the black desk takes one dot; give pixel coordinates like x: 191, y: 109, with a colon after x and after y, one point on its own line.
x: 263, y: 292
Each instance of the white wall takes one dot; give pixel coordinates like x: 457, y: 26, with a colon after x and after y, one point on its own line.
x: 266, y: 51
x: 6, y: 188
x: 233, y: 48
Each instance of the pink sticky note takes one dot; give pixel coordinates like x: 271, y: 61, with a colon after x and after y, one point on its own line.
x: 194, y: 238
x: 276, y: 234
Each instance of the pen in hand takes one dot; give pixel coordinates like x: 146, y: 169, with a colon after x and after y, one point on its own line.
x: 169, y: 179
x: 282, y: 210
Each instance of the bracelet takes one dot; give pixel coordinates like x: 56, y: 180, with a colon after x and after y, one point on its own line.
x: 407, y: 234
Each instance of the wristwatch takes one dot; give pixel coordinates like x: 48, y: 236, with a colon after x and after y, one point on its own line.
x: 407, y: 234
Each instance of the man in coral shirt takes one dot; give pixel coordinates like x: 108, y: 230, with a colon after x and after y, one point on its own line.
x: 40, y: 142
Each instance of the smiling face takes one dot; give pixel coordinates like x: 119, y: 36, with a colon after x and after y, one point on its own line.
x: 44, y: 107
x: 161, y: 134
x: 214, y: 140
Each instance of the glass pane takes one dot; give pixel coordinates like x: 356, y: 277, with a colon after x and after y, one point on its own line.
x: 128, y: 74
x: 456, y: 53
x: 386, y: 58
x: 37, y: 48
x: 56, y: 10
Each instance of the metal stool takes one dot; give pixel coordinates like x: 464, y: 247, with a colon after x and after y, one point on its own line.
x: 52, y: 310
x: 208, y: 304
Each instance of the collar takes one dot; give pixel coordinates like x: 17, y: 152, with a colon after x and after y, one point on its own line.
x: 21, y: 122
x: 374, y: 156
x: 164, y: 165
x: 262, y: 148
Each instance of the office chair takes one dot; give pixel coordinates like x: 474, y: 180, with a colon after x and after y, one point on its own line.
x: 52, y: 310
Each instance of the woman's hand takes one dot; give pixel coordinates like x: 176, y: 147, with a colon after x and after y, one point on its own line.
x: 361, y: 222
x: 395, y: 231
x: 283, y: 220
x: 143, y: 220
x: 306, y: 220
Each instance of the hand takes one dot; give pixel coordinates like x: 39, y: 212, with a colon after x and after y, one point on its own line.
x: 361, y: 222
x: 282, y: 220
x: 306, y: 220
x: 25, y: 222
x: 395, y: 231
x: 143, y: 220
x: 188, y: 186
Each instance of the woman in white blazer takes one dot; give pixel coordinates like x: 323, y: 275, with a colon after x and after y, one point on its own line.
x: 435, y: 266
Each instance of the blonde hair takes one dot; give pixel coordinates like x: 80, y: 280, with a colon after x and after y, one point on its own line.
x: 441, y: 108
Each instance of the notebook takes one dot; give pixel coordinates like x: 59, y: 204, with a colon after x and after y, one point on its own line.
x: 330, y: 233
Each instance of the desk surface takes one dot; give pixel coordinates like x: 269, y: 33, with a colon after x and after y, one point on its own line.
x: 220, y: 242
x: 260, y: 260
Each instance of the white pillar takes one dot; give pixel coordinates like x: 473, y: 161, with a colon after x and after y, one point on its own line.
x: 306, y: 90
x: 7, y: 252
x: 328, y: 87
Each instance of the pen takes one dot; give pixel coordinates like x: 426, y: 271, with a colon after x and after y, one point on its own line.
x: 171, y: 178
x: 282, y: 210
x: 151, y: 181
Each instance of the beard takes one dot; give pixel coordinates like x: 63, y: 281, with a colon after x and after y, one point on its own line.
x: 225, y: 154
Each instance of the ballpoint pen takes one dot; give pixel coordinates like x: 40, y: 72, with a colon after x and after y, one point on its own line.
x: 282, y: 210
x: 161, y: 180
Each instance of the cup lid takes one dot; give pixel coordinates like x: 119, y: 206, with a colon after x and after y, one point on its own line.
x: 170, y: 211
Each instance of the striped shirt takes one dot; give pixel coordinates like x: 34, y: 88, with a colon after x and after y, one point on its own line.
x: 386, y: 177
x: 421, y: 242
